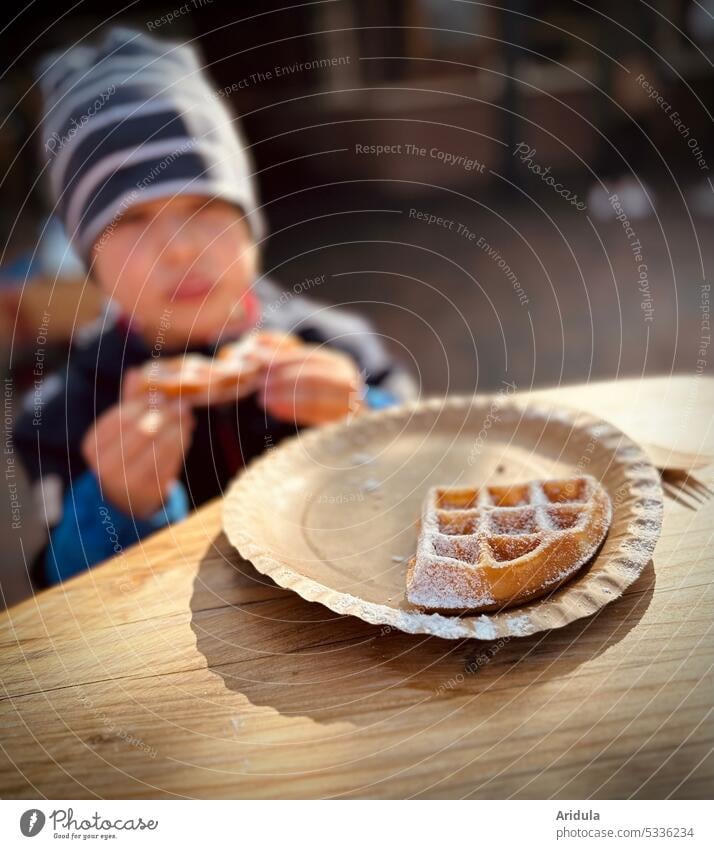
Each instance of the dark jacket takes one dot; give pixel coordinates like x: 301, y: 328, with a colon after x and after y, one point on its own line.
x: 55, y: 417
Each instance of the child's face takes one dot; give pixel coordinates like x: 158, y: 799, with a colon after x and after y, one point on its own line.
x: 177, y: 267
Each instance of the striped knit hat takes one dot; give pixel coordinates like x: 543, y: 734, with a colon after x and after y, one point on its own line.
x: 132, y: 120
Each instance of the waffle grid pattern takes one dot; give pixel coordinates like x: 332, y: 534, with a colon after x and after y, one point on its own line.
x: 500, y: 523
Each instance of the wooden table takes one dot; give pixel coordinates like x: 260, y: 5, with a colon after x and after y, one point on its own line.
x: 176, y: 670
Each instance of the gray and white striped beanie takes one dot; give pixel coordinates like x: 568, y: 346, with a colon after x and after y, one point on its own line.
x: 135, y: 119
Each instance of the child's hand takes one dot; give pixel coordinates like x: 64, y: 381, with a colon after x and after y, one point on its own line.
x: 311, y: 385
x: 136, y: 450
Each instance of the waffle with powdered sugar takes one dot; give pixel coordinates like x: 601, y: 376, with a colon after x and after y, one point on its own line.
x: 493, y: 547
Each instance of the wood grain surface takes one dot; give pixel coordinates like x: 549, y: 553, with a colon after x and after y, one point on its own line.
x: 176, y: 670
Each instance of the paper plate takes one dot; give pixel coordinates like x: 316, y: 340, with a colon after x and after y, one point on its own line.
x: 332, y: 513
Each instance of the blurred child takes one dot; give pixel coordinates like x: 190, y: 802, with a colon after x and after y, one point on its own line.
x: 151, y: 180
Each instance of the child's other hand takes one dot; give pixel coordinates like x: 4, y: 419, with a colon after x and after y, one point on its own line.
x: 136, y: 449
x: 311, y: 385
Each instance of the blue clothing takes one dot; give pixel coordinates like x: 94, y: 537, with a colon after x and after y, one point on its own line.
x: 93, y: 529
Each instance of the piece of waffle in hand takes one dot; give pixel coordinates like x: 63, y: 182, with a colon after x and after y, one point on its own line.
x: 497, y: 546
x: 236, y: 369
x: 196, y: 377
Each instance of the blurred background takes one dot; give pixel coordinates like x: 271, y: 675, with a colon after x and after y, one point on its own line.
x: 518, y: 192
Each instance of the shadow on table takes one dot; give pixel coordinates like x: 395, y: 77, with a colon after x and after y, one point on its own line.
x: 301, y: 659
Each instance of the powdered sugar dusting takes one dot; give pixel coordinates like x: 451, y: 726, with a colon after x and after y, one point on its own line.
x: 370, y: 485
x: 520, y: 626
x: 360, y: 458
x: 484, y: 629
x: 483, y: 547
